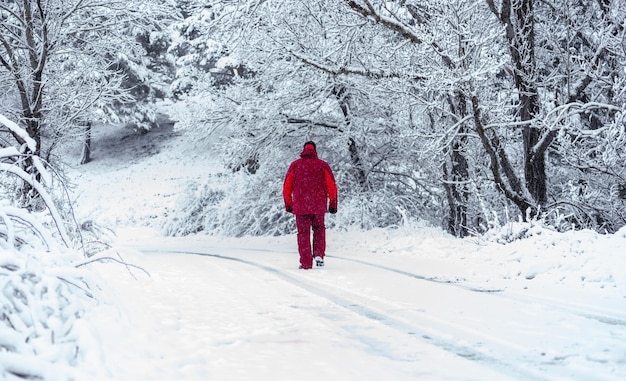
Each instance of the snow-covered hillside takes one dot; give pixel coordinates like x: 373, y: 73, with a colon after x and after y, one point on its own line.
x: 403, y: 304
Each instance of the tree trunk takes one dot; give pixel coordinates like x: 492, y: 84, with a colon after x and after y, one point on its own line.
x: 357, y: 162
x: 523, y: 53
x: 86, y: 156
x: 456, y: 179
x: 518, y: 18
x: 503, y: 174
x: 29, y: 198
x: 455, y: 184
x: 534, y: 166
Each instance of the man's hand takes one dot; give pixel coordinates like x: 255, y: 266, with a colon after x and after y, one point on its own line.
x: 289, y: 209
x: 332, y: 210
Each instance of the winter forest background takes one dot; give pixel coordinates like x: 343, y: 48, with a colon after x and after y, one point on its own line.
x: 460, y: 114
x: 466, y: 114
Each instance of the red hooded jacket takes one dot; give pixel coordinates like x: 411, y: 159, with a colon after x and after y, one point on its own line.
x: 309, y: 183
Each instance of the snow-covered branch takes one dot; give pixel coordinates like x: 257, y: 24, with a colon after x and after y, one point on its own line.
x: 343, y: 70
x: 10, y: 165
x: 41, y: 191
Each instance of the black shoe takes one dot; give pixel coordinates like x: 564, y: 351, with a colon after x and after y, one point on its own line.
x: 319, y: 261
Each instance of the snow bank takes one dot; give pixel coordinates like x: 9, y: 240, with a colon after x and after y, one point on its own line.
x: 515, y: 256
x: 581, y: 258
x: 42, y: 297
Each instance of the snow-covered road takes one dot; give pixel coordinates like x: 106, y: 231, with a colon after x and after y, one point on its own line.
x: 227, y: 313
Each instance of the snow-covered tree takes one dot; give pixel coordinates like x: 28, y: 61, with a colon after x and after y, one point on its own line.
x: 517, y: 139
x: 287, y: 96
x: 60, y: 63
x: 419, y: 104
x: 582, y: 77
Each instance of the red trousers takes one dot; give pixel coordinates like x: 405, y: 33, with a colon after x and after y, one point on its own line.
x: 304, y: 223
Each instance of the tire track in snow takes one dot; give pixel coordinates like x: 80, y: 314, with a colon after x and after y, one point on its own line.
x: 609, y: 317
x: 420, y: 326
x: 588, y: 312
x: 420, y: 277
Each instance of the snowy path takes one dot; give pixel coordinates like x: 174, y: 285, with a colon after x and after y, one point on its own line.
x: 238, y: 314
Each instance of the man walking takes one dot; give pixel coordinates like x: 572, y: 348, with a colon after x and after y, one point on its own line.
x: 309, y: 192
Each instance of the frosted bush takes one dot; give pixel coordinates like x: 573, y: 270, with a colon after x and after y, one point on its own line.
x: 515, y: 231
x: 42, y: 292
x: 243, y: 204
x: 40, y: 302
x: 237, y: 205
x: 196, y: 210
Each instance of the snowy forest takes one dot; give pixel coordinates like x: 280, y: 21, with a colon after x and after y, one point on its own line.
x: 464, y: 115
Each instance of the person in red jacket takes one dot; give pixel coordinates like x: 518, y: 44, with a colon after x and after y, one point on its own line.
x: 309, y: 192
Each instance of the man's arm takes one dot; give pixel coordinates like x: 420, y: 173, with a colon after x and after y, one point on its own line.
x: 288, y: 190
x: 331, y: 189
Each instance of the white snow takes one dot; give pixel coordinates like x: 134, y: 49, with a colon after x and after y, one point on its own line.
x: 407, y: 304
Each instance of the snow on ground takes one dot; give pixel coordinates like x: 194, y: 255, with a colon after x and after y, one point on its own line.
x: 404, y: 304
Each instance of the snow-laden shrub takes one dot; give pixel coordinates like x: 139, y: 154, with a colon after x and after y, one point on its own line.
x: 42, y: 295
x: 241, y: 204
x: 235, y: 205
x: 514, y: 231
x: 191, y: 214
x: 373, y: 209
x: 588, y: 185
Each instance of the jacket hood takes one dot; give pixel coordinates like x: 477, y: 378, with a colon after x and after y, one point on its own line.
x: 308, y: 152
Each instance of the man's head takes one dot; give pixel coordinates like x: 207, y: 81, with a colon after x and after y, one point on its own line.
x: 312, y: 144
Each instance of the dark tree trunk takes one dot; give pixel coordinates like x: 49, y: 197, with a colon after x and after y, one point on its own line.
x: 455, y: 184
x: 523, y: 52
x: 357, y: 162
x: 503, y: 173
x: 456, y: 178
x: 86, y: 156
x: 535, y: 166
x: 518, y: 18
